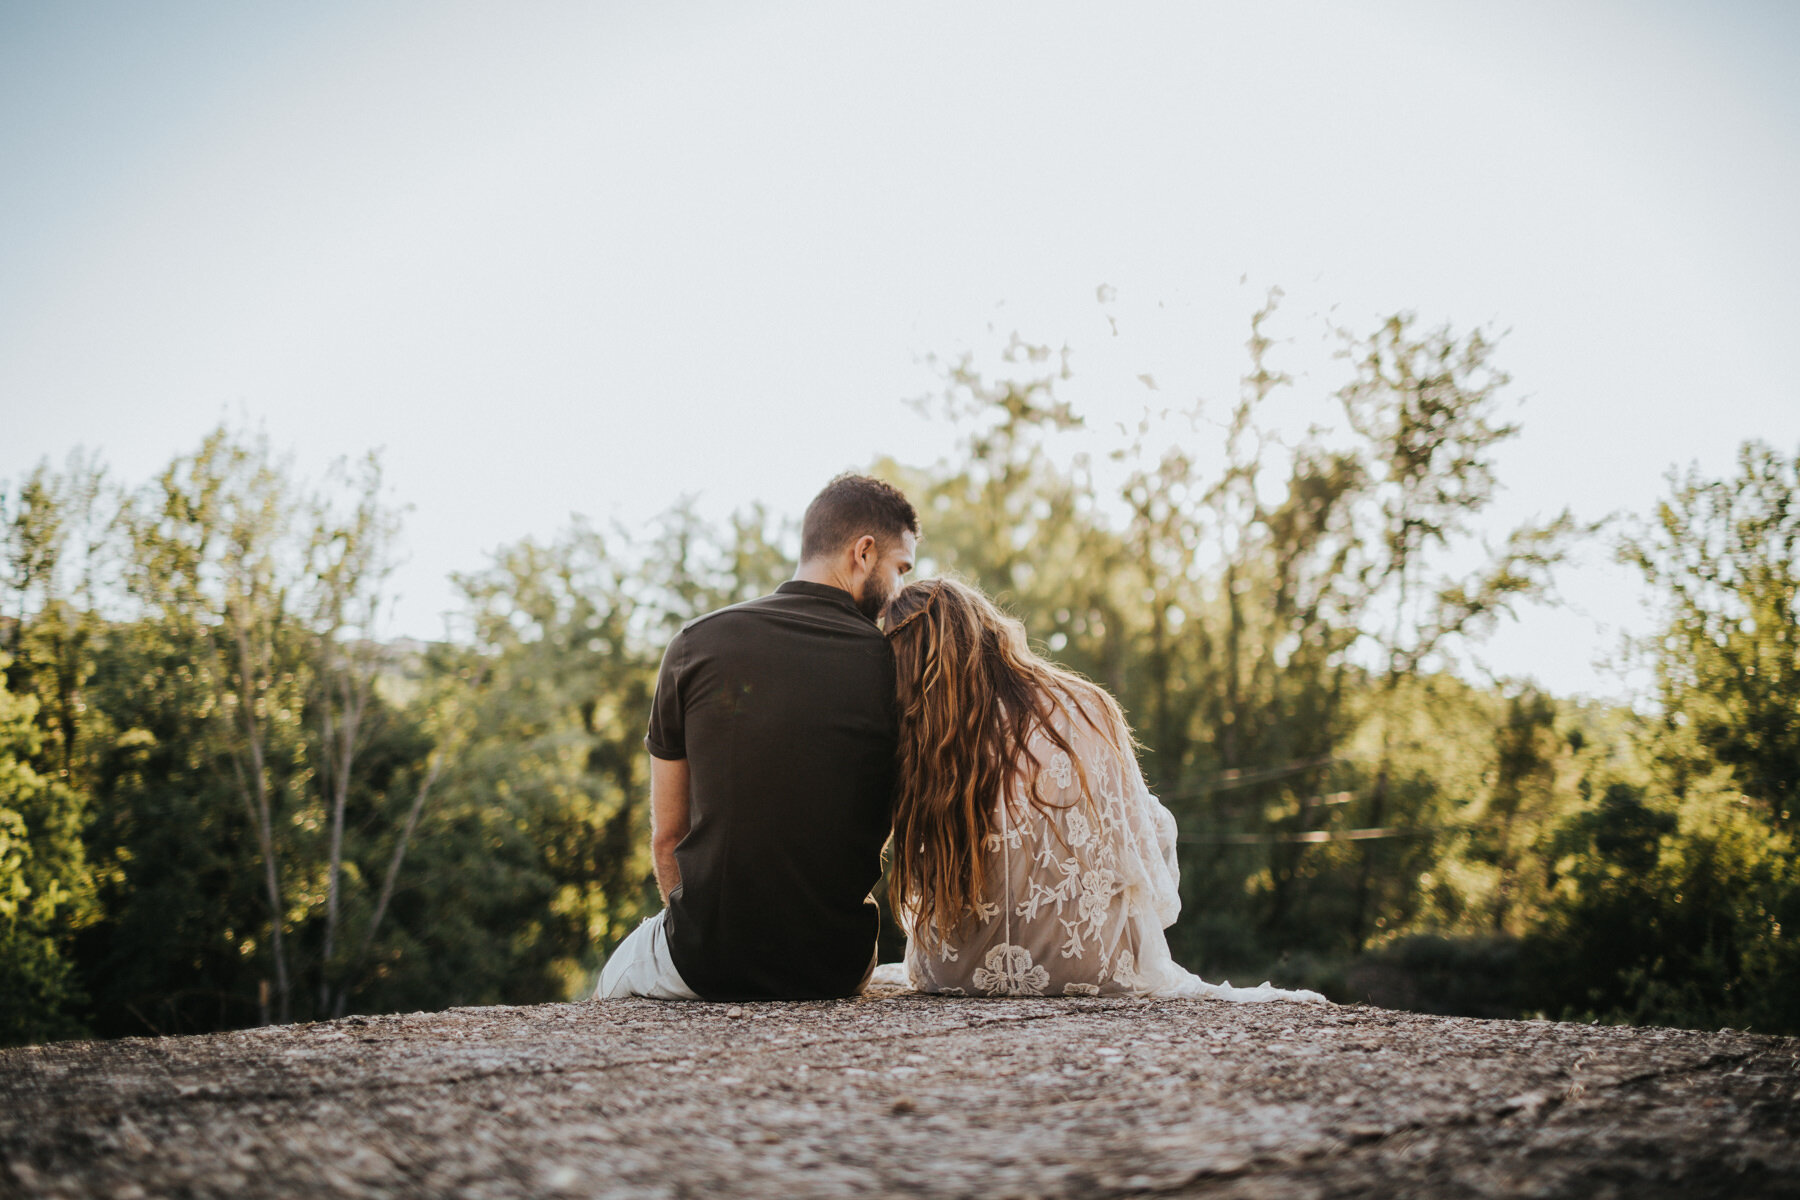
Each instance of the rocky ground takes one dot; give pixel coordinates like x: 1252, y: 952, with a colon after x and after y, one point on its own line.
x: 897, y: 1094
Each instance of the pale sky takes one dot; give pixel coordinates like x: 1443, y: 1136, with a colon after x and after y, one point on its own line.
x: 557, y: 259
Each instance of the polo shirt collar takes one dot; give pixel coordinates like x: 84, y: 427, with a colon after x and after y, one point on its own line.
x: 820, y: 591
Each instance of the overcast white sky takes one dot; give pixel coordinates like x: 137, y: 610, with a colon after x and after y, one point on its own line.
x: 589, y: 258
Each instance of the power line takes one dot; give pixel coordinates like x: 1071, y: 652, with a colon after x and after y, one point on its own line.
x: 1225, y: 781
x: 1317, y: 836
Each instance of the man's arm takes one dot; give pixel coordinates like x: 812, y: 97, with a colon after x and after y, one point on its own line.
x: 668, y: 818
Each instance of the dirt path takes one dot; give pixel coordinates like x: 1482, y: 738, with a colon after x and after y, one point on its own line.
x: 904, y: 1095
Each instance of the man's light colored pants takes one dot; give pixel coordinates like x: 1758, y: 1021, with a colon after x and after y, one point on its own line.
x: 641, y: 966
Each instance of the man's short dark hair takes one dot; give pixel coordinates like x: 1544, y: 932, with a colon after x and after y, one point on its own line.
x: 851, y: 506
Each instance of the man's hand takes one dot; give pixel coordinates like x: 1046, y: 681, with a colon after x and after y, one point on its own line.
x: 668, y: 819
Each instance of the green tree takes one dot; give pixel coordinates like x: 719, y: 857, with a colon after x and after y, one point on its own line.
x: 56, y: 539
x: 178, y: 946
x: 215, y: 561
x: 1425, y: 406
x: 46, y: 889
x: 1677, y: 886
x: 260, y: 600
x: 52, y: 533
x: 348, y: 563
x: 1723, y: 556
x: 1670, y: 913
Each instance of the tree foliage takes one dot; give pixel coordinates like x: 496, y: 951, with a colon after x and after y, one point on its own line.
x: 1680, y: 880
x: 46, y: 888
x: 1723, y: 556
x: 228, y: 797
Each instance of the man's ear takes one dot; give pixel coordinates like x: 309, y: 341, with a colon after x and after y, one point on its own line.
x: 865, y: 553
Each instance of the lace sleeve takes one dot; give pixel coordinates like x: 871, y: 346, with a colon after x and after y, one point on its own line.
x: 1141, y: 828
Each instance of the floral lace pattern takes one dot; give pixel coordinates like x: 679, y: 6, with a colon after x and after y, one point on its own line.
x: 1009, y: 973
x: 1078, y: 894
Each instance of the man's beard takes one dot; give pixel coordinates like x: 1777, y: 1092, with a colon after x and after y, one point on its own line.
x: 875, y: 597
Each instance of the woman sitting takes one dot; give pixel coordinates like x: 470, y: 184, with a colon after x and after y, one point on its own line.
x: 1029, y: 857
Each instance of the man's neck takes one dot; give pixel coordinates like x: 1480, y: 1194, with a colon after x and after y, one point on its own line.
x: 822, y: 571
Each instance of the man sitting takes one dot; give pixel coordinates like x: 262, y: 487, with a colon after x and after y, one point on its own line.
x: 772, y: 742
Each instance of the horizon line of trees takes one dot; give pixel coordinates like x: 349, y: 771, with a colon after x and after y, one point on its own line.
x: 225, y: 801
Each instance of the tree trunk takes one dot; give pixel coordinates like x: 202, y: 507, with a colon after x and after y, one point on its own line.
x: 339, y: 741
x: 255, y: 791
x: 393, y: 873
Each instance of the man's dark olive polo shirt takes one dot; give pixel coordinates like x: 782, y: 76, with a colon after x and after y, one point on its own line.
x: 784, y: 710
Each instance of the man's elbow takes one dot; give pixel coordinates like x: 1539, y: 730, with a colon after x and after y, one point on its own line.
x: 664, y: 841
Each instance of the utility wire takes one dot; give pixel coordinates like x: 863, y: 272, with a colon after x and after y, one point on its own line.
x: 1225, y: 781
x: 1316, y: 836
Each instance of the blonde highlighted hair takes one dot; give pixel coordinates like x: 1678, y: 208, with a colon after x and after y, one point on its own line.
x: 972, y: 694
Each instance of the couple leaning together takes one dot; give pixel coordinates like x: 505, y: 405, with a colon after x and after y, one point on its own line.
x: 791, y: 735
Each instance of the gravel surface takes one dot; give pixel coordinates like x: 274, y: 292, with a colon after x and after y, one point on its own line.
x: 898, y: 1094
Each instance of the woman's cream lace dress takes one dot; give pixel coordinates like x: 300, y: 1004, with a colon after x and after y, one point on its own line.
x: 1078, y: 896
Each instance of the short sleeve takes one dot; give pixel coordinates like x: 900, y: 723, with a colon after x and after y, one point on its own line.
x: 667, y: 737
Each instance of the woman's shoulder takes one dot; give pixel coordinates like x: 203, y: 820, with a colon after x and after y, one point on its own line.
x: 1078, y: 707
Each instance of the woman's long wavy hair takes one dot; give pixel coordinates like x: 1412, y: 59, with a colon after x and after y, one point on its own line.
x: 971, y: 695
